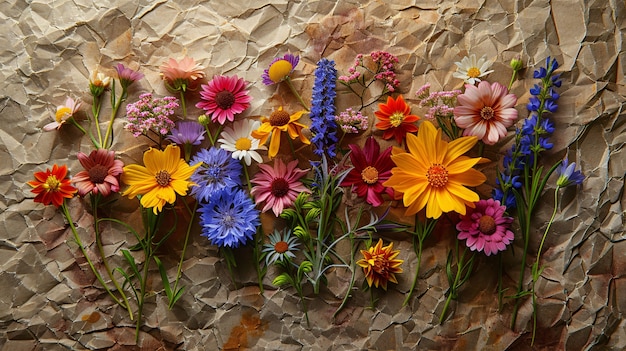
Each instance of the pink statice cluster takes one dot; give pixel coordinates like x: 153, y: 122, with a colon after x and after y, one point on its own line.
x: 352, y: 121
x: 439, y: 103
x: 386, y: 71
x: 150, y: 113
x: 354, y: 73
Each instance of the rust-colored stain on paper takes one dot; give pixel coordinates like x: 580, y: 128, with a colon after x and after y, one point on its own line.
x: 93, y: 317
x: 250, y: 327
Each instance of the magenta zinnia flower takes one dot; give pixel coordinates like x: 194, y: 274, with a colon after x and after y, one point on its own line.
x: 371, y: 169
x: 485, y: 111
x: 101, y: 174
x: 485, y: 227
x: 278, y: 186
x: 224, y: 97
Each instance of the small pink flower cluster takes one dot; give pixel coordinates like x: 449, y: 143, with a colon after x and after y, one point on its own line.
x: 440, y: 103
x: 354, y: 74
x: 352, y: 121
x: 150, y: 113
x: 385, y: 62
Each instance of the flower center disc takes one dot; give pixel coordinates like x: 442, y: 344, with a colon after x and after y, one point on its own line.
x: 437, y: 175
x: 279, y: 70
x: 279, y: 118
x: 279, y: 187
x: 487, y: 113
x: 281, y: 247
x: 163, y: 178
x: 369, y: 175
x: 487, y: 225
x: 52, y: 183
x: 62, y: 112
x: 243, y: 144
x: 224, y: 99
x: 396, y: 118
x: 473, y: 72
x: 98, y: 173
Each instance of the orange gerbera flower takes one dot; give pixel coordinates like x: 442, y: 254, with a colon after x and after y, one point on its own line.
x: 380, y: 264
x: 52, y: 186
x: 280, y: 121
x: 434, y: 173
x: 396, y: 119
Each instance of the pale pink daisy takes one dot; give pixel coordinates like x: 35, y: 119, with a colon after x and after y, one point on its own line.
x: 485, y: 111
x: 224, y: 97
x: 63, y: 114
x: 238, y: 140
x: 485, y: 227
x: 278, y: 186
x: 101, y: 174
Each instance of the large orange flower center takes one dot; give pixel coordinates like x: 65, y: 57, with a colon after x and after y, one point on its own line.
x: 279, y: 70
x: 224, y: 99
x: 163, y: 178
x: 487, y: 225
x: 473, y: 72
x: 437, y: 175
x: 281, y: 247
x: 279, y: 118
x: 279, y: 187
x: 396, y: 119
x: 52, y: 183
x: 98, y: 173
x: 243, y: 144
x: 369, y: 175
x: 487, y: 113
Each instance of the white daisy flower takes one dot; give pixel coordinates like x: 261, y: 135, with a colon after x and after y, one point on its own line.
x: 238, y: 140
x: 471, y: 70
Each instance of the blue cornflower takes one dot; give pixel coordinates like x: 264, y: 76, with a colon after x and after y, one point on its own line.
x: 567, y: 174
x: 230, y: 219
x: 323, y: 123
x: 218, y: 171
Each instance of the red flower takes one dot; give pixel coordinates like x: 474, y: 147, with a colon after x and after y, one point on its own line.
x: 52, y: 186
x: 101, y: 174
x: 396, y: 119
x: 371, y: 169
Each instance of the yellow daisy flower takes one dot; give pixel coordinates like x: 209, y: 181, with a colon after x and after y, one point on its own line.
x: 434, y: 173
x: 165, y: 174
x: 280, y: 121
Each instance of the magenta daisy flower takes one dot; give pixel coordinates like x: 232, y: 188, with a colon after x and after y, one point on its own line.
x: 279, y: 69
x: 278, y: 186
x: 101, y: 174
x: 224, y: 97
x: 485, y: 227
x: 485, y: 111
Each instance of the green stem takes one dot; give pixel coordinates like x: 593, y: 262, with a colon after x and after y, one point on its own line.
x: 295, y: 92
x: 182, y: 103
x: 68, y: 216
x: 182, y: 255
x: 512, y: 79
x: 116, y: 106
x: 95, y: 204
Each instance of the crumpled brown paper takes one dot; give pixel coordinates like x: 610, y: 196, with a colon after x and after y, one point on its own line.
x: 51, y: 301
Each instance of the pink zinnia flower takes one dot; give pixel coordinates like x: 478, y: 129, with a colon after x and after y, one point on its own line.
x: 278, y: 186
x: 182, y: 75
x: 485, y: 227
x: 224, y: 97
x: 101, y: 174
x: 371, y: 169
x: 63, y: 114
x: 485, y: 111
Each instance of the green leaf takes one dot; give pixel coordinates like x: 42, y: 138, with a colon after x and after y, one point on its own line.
x: 165, y: 279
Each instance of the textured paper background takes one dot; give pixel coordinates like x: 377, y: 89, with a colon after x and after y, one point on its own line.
x: 48, y: 49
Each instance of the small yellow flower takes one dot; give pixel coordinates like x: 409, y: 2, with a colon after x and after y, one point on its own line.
x: 380, y: 264
x: 165, y: 174
x: 280, y: 121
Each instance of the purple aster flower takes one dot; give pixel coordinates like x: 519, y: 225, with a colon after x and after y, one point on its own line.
x: 218, y: 171
x: 127, y: 76
x: 280, y: 69
x: 230, y: 219
x: 323, y: 124
x: 568, y: 175
x: 187, y: 133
